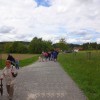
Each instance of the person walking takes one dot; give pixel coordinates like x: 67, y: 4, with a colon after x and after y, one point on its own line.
x: 9, y: 73
x: 11, y: 58
x: 17, y: 63
x: 55, y: 54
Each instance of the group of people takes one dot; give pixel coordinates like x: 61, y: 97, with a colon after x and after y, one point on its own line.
x: 49, y: 56
x: 9, y: 73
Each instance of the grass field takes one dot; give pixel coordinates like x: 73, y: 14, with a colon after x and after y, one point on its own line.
x: 19, y: 56
x: 84, y: 68
x: 24, y: 59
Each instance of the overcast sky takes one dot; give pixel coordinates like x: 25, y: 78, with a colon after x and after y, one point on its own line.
x: 78, y: 21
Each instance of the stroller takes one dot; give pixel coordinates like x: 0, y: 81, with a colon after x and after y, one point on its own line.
x: 1, y: 87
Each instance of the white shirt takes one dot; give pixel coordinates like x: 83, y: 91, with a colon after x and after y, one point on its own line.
x: 7, y: 74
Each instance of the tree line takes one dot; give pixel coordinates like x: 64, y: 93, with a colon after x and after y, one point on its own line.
x: 37, y: 45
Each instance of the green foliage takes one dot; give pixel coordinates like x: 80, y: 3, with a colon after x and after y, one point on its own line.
x: 98, y: 46
x: 7, y: 47
x: 2, y: 63
x: 16, y: 47
x: 22, y: 48
x: 90, y: 46
x: 85, y: 71
x: 62, y: 40
x: 47, y: 45
x: 28, y: 61
x: 62, y: 45
x: 37, y: 45
x: 22, y: 63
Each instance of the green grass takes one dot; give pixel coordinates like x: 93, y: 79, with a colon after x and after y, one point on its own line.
x: 28, y: 61
x: 22, y: 63
x: 2, y: 63
x: 84, y: 70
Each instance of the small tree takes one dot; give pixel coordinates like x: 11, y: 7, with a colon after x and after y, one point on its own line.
x: 37, y: 45
x: 61, y: 44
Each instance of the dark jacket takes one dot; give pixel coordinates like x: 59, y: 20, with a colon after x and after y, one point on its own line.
x: 11, y: 58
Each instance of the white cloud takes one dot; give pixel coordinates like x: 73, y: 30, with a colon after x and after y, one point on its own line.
x: 64, y: 18
x: 5, y: 29
x: 98, y: 40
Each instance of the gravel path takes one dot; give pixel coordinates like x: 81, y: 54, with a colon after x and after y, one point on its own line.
x: 45, y: 81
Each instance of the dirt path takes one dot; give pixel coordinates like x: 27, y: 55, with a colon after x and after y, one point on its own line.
x: 45, y: 81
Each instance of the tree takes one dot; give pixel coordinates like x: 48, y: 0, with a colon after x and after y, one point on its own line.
x: 93, y: 45
x: 7, y: 47
x: 22, y: 48
x: 37, y: 45
x: 16, y: 47
x: 90, y: 46
x: 47, y: 46
x: 61, y: 44
x: 85, y: 46
x: 98, y: 46
x: 62, y: 40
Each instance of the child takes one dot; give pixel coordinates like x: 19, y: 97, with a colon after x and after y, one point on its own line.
x: 40, y: 59
x: 17, y: 63
x: 8, y: 74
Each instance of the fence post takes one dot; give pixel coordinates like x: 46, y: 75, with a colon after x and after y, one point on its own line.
x: 0, y: 59
x: 89, y: 55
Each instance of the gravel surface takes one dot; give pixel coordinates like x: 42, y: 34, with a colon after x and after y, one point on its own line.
x: 44, y: 81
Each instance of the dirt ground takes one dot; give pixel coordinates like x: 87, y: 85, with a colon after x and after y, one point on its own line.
x: 19, y: 56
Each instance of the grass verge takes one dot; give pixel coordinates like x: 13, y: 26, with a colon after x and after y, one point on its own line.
x: 28, y: 61
x: 22, y: 63
x: 84, y: 68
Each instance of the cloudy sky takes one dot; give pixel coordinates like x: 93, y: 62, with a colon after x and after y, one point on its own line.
x: 78, y: 21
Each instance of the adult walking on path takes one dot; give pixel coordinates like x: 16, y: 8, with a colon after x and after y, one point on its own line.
x: 45, y: 81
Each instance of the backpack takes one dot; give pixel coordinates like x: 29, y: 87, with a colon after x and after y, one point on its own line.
x: 13, y: 74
